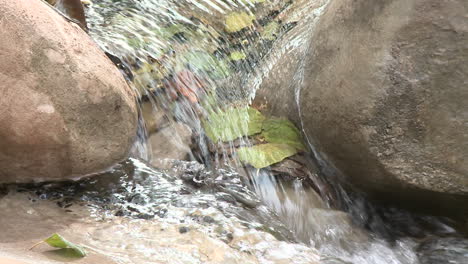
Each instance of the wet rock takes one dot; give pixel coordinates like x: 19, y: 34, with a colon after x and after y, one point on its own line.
x: 135, y: 241
x: 172, y: 142
x: 183, y: 229
x: 155, y: 119
x: 443, y: 250
x: 72, y: 9
x: 11, y: 261
x: 381, y: 101
x: 65, y: 109
x: 208, y: 219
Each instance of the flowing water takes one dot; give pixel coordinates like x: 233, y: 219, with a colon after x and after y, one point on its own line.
x: 186, y: 61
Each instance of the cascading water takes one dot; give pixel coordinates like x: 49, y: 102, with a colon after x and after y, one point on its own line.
x: 192, y: 60
x: 186, y: 62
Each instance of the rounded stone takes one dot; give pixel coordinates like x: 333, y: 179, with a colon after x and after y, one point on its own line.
x: 65, y: 109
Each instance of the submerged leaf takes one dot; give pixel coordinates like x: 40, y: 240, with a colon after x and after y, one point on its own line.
x: 238, y: 20
x: 233, y: 123
x: 58, y: 241
x: 282, y: 131
x: 264, y: 155
x: 237, y: 55
x: 270, y: 30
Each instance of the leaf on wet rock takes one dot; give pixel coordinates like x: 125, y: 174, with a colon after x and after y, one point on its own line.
x: 233, y: 123
x: 58, y: 241
x: 236, y: 21
x: 264, y: 155
x: 282, y: 131
x: 237, y: 55
x: 270, y: 31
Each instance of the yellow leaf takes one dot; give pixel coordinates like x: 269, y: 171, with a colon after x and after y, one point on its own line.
x: 238, y: 20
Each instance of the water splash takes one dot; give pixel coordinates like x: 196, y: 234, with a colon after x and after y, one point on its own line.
x: 183, y: 59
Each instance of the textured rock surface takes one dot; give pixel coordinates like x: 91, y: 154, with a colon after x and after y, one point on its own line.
x: 65, y: 110
x: 135, y: 241
x: 383, y: 95
x: 172, y: 142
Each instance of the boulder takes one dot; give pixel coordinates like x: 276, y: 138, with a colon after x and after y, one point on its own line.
x: 383, y: 96
x: 171, y: 142
x: 65, y: 109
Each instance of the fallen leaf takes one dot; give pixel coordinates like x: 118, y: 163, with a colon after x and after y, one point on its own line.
x: 236, y: 21
x: 264, y: 155
x: 282, y: 131
x: 233, y: 123
x: 58, y: 241
x: 237, y: 55
x: 270, y: 31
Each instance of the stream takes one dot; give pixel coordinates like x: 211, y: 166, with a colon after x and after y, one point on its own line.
x: 185, y: 60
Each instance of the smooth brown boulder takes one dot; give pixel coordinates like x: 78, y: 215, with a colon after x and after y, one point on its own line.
x: 384, y: 97
x: 65, y: 109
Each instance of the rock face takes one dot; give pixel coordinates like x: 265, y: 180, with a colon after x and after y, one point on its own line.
x: 127, y: 241
x: 172, y: 142
x: 65, y: 110
x: 384, y: 95
x: 71, y: 8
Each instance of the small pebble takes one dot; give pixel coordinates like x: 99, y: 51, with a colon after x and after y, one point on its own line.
x: 183, y: 229
x: 208, y: 219
x: 119, y: 213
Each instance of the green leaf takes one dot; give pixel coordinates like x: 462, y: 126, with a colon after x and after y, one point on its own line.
x: 236, y: 21
x: 264, y: 155
x: 270, y: 30
x: 237, y: 55
x: 233, y: 123
x: 58, y: 241
x: 282, y: 131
